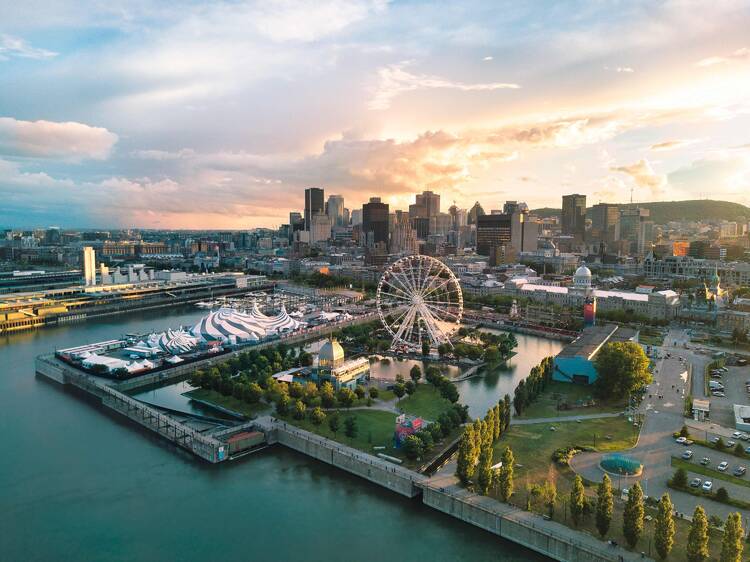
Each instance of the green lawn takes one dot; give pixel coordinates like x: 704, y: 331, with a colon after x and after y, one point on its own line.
x: 426, y: 402
x: 710, y: 472
x: 534, y: 444
x: 228, y: 402
x: 545, y: 406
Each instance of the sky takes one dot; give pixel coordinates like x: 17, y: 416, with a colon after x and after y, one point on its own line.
x: 218, y: 114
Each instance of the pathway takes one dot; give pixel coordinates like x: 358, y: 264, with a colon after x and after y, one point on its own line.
x: 559, y: 419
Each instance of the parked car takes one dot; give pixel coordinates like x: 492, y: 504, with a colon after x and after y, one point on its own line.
x: 681, y: 440
x: 714, y: 439
x: 718, y: 394
x: 696, y: 482
x: 744, y: 436
x: 687, y: 455
x: 736, y: 434
x: 707, y: 486
x: 731, y: 443
x: 723, y: 465
x: 739, y: 471
x: 747, y: 450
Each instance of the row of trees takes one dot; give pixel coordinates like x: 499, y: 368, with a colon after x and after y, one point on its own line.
x: 476, y: 450
x: 529, y: 388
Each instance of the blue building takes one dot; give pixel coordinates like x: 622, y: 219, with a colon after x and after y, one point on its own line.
x: 575, y: 363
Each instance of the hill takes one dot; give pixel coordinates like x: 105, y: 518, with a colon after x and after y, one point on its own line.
x: 665, y: 211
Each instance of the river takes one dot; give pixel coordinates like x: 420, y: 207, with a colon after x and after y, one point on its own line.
x: 78, y: 483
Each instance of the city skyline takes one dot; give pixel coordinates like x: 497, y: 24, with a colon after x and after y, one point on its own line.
x: 220, y: 116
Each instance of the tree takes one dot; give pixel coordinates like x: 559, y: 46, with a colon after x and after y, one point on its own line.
x: 465, y: 459
x: 399, y: 390
x: 296, y: 390
x: 506, y: 408
x: 549, y: 496
x: 415, y: 373
x: 604, y: 506
x: 350, y: 427
x: 253, y: 392
x: 282, y: 404
x: 632, y: 518
x: 299, y: 409
x: 327, y: 395
x: 373, y: 392
x: 334, y: 423
x: 413, y: 447
x: 505, y: 476
x: 346, y: 397
x: 317, y: 415
x: 680, y: 478
x: 410, y: 387
x: 577, y: 500
x: 484, y: 470
x: 359, y: 391
x: 664, y: 527
x: 731, y: 544
x: 739, y: 450
x: 697, y: 542
x: 425, y: 348
x: 722, y: 495
x: 622, y: 368
x: 720, y: 445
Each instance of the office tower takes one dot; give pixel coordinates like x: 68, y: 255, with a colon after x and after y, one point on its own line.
x: 511, y: 207
x: 375, y: 222
x: 475, y: 212
x: 574, y: 216
x: 524, y: 230
x: 347, y: 217
x: 430, y: 201
x: 604, y: 219
x: 320, y: 228
x: 632, y: 228
x: 313, y: 204
x: 440, y: 224
x: 458, y: 217
x: 89, y: 266
x: 356, y: 217
x: 403, y: 236
x: 296, y: 224
x: 335, y: 209
x: 493, y: 231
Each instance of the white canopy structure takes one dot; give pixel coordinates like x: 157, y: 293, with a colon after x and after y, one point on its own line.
x: 228, y: 323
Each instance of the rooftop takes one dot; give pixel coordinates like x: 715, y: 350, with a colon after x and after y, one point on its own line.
x: 593, y: 338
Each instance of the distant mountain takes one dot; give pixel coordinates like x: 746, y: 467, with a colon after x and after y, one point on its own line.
x: 665, y: 211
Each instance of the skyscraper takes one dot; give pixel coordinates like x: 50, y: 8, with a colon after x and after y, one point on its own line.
x: 375, y: 222
x: 475, y: 212
x: 314, y: 204
x: 574, y: 216
x: 89, y: 266
x: 604, y: 219
x: 430, y: 201
x: 335, y: 209
x: 633, y: 228
x: 493, y: 231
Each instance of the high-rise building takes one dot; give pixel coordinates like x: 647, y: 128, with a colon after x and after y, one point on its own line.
x: 604, y: 219
x: 314, y: 204
x: 524, y: 230
x: 89, y: 266
x: 633, y: 229
x: 403, y: 236
x: 493, y: 231
x: 375, y: 222
x: 475, y: 212
x: 430, y: 201
x: 335, y: 209
x: 574, y: 216
x: 356, y: 217
x: 320, y: 228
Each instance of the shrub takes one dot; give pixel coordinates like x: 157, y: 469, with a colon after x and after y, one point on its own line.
x: 722, y: 495
x: 680, y: 478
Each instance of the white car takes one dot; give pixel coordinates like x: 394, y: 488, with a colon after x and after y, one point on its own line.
x: 707, y: 486
x: 736, y: 434
x: 687, y: 455
x: 681, y: 440
x: 723, y: 465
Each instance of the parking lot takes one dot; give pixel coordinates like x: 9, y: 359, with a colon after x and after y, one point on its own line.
x: 734, y: 381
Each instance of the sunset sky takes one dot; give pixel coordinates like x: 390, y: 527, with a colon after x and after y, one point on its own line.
x: 217, y: 114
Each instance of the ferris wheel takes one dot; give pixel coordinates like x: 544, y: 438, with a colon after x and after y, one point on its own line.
x: 419, y: 299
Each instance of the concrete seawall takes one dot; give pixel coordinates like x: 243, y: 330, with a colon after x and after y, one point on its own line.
x: 388, y: 475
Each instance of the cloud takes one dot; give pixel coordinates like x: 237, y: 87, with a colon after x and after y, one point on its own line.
x: 15, y: 47
x: 626, y: 69
x: 722, y: 174
x: 644, y: 176
x: 394, y: 80
x: 672, y: 144
x: 738, y: 55
x: 48, y: 139
x: 161, y: 155
x: 488, y: 58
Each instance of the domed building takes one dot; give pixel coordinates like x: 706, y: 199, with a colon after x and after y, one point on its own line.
x: 331, y: 355
x: 582, y: 277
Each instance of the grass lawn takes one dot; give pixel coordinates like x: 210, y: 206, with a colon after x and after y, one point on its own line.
x: 228, y: 402
x: 545, y: 405
x: 533, y: 444
x: 426, y: 402
x: 710, y: 472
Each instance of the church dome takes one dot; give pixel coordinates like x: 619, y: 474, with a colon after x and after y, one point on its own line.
x: 583, y: 271
x: 331, y: 354
x: 582, y: 277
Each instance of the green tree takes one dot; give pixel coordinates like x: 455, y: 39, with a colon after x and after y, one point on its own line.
x: 549, y: 496
x: 506, y: 409
x: 604, y: 506
x: 679, y: 478
x: 465, y: 459
x: 327, y: 395
x: 664, y: 527
x: 632, y: 517
x: 299, y: 409
x: 732, y: 544
x: 505, y: 475
x: 722, y: 495
x: 359, y: 391
x: 413, y: 447
x: 577, y: 500
x: 415, y: 373
x: 253, y: 392
x: 346, y: 397
x: 282, y: 404
x: 399, y: 390
x: 484, y: 470
x: 410, y: 387
x: 622, y: 368
x: 334, y: 423
x: 425, y: 348
x: 373, y: 392
x: 317, y: 415
x: 697, y: 542
x: 739, y: 450
x: 350, y: 427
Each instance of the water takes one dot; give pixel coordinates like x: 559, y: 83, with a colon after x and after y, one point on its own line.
x: 79, y: 483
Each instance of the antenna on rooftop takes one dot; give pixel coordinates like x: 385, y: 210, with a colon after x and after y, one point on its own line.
x: 631, y: 194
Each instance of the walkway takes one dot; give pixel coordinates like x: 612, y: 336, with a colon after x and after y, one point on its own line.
x: 559, y: 419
